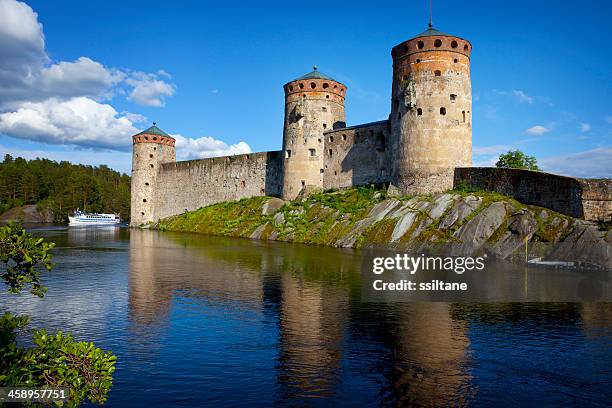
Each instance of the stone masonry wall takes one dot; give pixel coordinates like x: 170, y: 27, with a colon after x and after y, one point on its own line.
x: 356, y: 155
x: 590, y: 199
x: 596, y: 199
x: 189, y: 185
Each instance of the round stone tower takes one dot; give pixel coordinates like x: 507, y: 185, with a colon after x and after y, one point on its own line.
x: 431, y: 112
x: 150, y: 148
x: 314, y: 103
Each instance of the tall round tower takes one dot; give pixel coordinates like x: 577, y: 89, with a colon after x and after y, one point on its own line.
x: 431, y: 111
x: 150, y: 148
x: 314, y: 103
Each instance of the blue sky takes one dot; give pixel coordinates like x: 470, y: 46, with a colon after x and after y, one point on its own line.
x: 77, y: 78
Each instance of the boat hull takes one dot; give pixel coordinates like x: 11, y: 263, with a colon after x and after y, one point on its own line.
x: 74, y: 221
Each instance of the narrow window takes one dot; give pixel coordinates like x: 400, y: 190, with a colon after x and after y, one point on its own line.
x: 144, y: 200
x: 325, y: 85
x: 155, y: 148
x: 141, y: 213
x: 399, y: 115
x: 301, y: 86
x: 313, y: 85
x: 455, y: 60
x: 136, y: 154
x: 325, y: 126
x: 419, y: 111
x: 437, y: 73
x: 420, y: 45
x: 330, y: 152
x: 303, y: 183
x: 327, y: 96
x: 465, y: 48
x: 343, y: 137
x: 154, y: 138
x: 437, y: 43
x: 331, y: 138
x: 463, y: 114
x: 150, y: 156
x: 243, y: 184
x: 418, y: 60
x: 312, y: 152
x: 287, y: 154
x: 453, y: 97
x: 321, y: 171
x: 305, y: 141
x: 335, y: 173
x: 290, y: 88
x: 454, y: 44
x: 151, y: 165
x: 442, y: 111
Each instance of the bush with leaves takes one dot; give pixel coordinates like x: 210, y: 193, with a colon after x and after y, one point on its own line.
x: 54, y: 360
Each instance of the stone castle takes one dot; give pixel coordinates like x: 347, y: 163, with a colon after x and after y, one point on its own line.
x: 424, y: 145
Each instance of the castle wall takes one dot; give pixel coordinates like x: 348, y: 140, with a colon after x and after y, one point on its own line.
x: 590, y: 199
x: 357, y: 155
x: 596, y: 199
x: 189, y: 185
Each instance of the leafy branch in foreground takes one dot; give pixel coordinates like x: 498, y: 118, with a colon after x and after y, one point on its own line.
x: 23, y: 257
x: 54, y: 360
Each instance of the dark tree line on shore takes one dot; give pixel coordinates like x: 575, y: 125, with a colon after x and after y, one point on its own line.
x: 63, y: 187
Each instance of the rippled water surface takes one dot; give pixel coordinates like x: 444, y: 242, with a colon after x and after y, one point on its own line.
x: 209, y: 321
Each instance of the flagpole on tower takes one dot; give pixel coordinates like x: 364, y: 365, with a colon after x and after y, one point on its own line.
x: 430, y: 13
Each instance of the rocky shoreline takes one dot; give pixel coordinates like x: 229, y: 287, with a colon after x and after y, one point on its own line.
x: 455, y: 222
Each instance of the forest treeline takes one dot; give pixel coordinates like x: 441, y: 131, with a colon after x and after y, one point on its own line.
x: 63, y: 187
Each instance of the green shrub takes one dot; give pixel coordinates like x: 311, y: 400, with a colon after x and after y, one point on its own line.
x: 54, y: 360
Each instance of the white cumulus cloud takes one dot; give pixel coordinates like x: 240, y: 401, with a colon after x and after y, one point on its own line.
x: 537, y: 130
x: 79, y: 121
x: 206, y: 146
x: 148, y: 89
x: 585, y: 127
x: 27, y: 74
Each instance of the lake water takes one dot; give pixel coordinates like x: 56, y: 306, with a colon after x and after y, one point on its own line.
x: 210, y: 321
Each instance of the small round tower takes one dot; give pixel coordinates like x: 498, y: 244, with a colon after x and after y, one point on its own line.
x: 150, y: 148
x: 431, y: 111
x: 314, y: 103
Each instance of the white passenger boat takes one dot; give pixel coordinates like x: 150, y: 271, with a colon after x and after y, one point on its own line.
x: 81, y: 218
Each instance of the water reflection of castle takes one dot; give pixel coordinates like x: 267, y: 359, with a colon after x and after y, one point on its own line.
x: 311, y: 293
